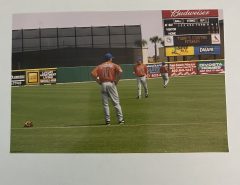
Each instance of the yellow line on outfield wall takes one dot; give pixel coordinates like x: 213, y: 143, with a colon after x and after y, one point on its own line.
x: 34, y: 69
x: 186, y: 61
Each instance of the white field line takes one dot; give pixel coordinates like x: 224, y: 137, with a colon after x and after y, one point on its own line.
x: 116, y: 125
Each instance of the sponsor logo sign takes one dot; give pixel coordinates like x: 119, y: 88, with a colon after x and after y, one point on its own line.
x: 168, y: 40
x: 153, y: 70
x: 192, y: 40
x: 18, y: 78
x: 48, y: 76
x: 189, y: 13
x: 183, y: 69
x: 216, y: 39
x: 211, y: 67
x: 179, y: 51
x: 207, y: 50
x: 32, y: 77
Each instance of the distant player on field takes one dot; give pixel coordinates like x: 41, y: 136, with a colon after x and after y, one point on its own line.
x: 140, y: 70
x: 164, y: 74
x: 107, y: 75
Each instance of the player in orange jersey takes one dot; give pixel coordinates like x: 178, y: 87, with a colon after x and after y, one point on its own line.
x: 140, y: 70
x: 164, y: 74
x: 107, y: 75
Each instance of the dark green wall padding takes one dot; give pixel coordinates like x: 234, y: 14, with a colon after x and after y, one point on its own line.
x: 83, y: 73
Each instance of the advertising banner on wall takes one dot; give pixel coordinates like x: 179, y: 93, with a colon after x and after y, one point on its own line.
x: 153, y: 70
x: 48, y: 76
x: 189, y: 13
x: 180, y: 51
x: 41, y: 76
x: 32, y: 77
x: 211, y: 67
x: 18, y: 78
x: 192, y: 40
x: 183, y: 69
x: 207, y: 50
x: 188, y: 40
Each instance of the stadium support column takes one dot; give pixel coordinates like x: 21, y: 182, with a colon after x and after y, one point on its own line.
x: 175, y: 58
x: 57, y: 40
x: 40, y: 46
x: 145, y: 55
x: 125, y: 42
x: 125, y: 35
x: 75, y: 36
x: 40, y: 40
x: 92, y: 36
x: 168, y: 59
x: 22, y: 53
x: 109, y: 39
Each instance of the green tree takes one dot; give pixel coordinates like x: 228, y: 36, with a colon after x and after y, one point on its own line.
x: 155, y: 40
x: 141, y: 43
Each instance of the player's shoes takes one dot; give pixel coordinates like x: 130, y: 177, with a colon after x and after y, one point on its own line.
x: 108, y: 123
x: 165, y: 86
x: 146, y: 96
x: 138, y: 97
x: 121, y: 122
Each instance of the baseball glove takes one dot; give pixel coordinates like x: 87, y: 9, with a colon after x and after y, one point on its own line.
x: 28, y: 124
x: 98, y: 81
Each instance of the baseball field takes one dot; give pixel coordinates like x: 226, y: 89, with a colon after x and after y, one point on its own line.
x: 187, y: 116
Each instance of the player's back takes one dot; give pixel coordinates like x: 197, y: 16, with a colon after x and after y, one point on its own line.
x: 140, y: 70
x: 163, y: 69
x: 107, y: 71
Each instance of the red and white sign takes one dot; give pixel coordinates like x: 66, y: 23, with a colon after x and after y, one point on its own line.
x: 153, y: 75
x: 183, y: 69
x: 189, y: 13
x: 168, y: 40
x: 215, y: 38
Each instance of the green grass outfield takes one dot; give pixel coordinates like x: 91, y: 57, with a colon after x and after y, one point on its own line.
x: 188, y: 116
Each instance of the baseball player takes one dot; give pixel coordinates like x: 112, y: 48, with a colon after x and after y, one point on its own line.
x: 164, y: 74
x: 140, y: 70
x: 107, y: 75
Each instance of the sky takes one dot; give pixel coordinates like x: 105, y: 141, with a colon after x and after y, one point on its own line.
x: 150, y: 21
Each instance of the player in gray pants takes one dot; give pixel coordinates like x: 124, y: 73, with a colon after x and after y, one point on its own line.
x: 140, y: 70
x: 109, y: 90
x: 164, y: 74
x: 142, y: 81
x: 107, y: 75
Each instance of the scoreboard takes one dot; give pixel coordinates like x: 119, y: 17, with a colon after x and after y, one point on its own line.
x: 191, y: 29
x: 191, y: 26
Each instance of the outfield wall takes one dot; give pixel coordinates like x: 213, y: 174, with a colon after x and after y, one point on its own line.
x: 82, y: 73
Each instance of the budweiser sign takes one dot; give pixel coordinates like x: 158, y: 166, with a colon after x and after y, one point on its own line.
x: 189, y: 13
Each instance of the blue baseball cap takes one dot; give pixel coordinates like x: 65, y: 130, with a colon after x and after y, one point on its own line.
x: 163, y: 63
x: 108, y: 56
x: 139, y: 59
